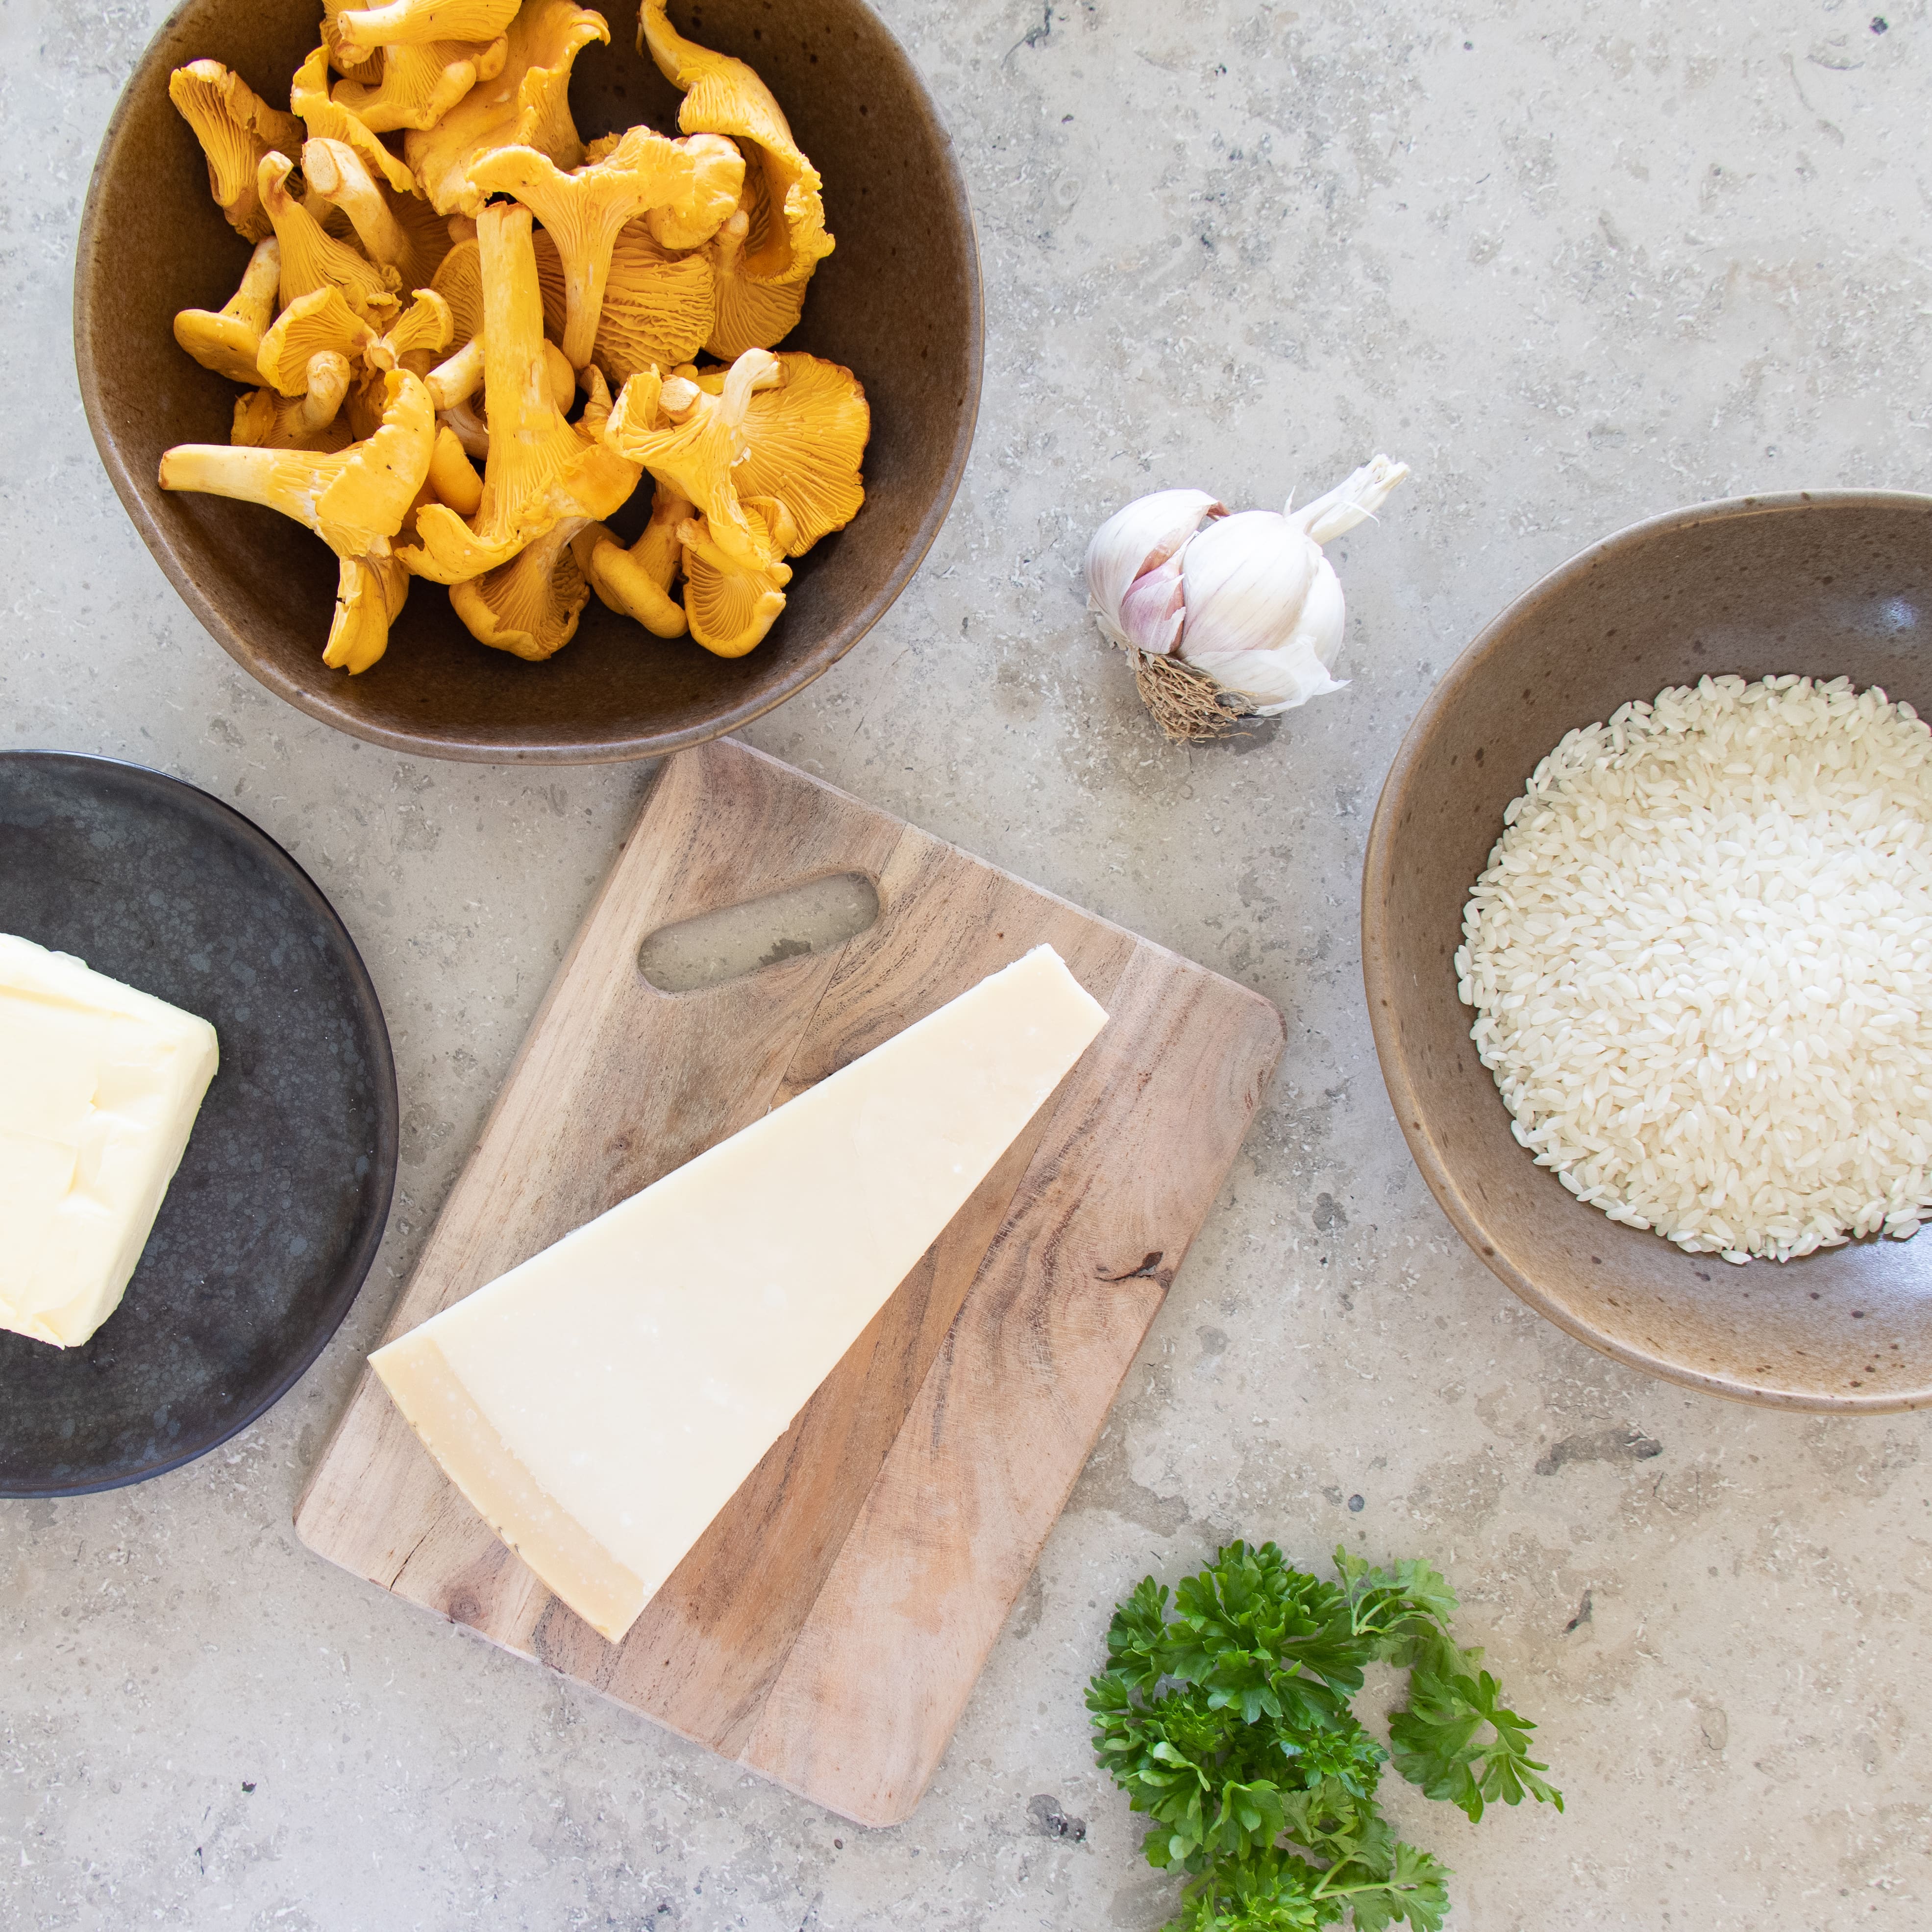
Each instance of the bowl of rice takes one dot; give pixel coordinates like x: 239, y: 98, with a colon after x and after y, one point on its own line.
x: 1647, y: 938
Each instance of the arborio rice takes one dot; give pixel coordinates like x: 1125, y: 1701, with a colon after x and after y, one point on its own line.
x: 1701, y: 962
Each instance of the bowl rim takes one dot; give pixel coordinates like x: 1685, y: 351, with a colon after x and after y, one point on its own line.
x: 1379, y: 980
x: 569, y: 752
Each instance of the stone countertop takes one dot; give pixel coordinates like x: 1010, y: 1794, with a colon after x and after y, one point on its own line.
x: 1574, y: 274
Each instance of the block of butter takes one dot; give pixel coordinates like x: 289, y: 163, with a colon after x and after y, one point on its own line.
x: 600, y: 1403
x: 99, y: 1088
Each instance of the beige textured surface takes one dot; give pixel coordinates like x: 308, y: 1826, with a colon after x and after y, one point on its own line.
x: 1601, y: 260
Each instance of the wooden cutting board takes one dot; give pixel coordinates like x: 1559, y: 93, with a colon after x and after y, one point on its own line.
x: 828, y: 1628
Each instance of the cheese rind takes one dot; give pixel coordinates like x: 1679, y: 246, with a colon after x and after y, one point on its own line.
x: 100, y: 1084
x: 600, y: 1403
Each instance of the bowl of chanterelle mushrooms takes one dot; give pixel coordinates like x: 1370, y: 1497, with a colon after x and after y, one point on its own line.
x: 515, y: 379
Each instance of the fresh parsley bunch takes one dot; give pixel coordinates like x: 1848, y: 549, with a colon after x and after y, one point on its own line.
x: 1227, y: 1721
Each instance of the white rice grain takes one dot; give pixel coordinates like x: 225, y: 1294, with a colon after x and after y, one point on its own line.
x: 1701, y: 963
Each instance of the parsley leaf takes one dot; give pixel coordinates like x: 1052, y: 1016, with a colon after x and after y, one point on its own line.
x: 1437, y: 1744
x: 1223, y: 1715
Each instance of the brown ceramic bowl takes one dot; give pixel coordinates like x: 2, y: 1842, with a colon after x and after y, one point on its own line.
x: 897, y: 302
x: 1835, y: 583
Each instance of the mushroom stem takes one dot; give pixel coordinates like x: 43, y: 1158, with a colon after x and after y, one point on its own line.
x: 454, y: 381
x: 336, y: 172
x: 328, y: 385
x: 311, y: 258
x: 248, y: 475
x: 469, y: 429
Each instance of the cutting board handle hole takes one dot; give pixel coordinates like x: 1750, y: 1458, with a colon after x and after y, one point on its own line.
x: 715, y: 948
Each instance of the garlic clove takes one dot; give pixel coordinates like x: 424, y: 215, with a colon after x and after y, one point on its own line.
x: 1325, y: 613
x: 1135, y: 540
x: 1247, y: 577
x: 1152, y: 610
x: 1346, y: 506
x: 1275, y: 681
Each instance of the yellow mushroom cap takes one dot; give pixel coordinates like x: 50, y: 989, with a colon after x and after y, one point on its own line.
x: 724, y: 96
x: 370, y: 593
x: 636, y: 583
x: 352, y: 61
x: 693, y: 184
x: 318, y: 321
x: 236, y: 128
x: 425, y: 328
x: 459, y: 282
x: 658, y: 306
x: 409, y: 23
x: 311, y: 421
x: 420, y: 84
x: 313, y: 259
x: 698, y: 451
x: 527, y: 104
x: 329, y: 120
x: 804, y: 438
x: 530, y: 606
x: 452, y: 476
x: 229, y: 340
x: 730, y: 609
x: 746, y: 313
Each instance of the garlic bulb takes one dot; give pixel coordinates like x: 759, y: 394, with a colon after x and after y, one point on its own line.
x: 1248, y: 600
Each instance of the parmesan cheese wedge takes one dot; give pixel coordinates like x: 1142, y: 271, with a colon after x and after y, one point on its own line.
x: 600, y: 1403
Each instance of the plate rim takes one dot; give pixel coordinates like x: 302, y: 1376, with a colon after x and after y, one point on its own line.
x: 355, y: 1271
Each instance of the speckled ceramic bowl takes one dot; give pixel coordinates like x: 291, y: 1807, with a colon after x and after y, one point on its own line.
x: 898, y: 302
x: 1835, y: 583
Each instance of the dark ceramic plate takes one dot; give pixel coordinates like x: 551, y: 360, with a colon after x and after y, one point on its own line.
x: 898, y: 301
x: 1835, y: 583
x: 275, y: 1212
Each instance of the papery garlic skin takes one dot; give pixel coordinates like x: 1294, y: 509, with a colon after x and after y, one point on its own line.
x: 1250, y: 599
x: 1135, y: 541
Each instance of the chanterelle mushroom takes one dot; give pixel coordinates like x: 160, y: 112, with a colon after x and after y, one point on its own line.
x: 804, y: 437
x: 320, y: 320
x: 530, y: 606
x: 354, y: 499
x: 423, y: 332
x: 698, y: 451
x: 540, y: 469
x: 526, y: 105
x: 723, y: 96
x: 746, y: 313
x: 236, y: 128
x: 396, y: 231
x: 414, y: 23
x: 312, y: 260
x: 730, y: 608
x: 329, y: 120
x: 658, y: 306
x: 228, y: 340
x: 694, y: 183
x: 636, y: 583
x: 311, y: 421
x: 420, y: 85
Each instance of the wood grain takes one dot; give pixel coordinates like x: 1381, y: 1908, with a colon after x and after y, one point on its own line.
x: 827, y: 1630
